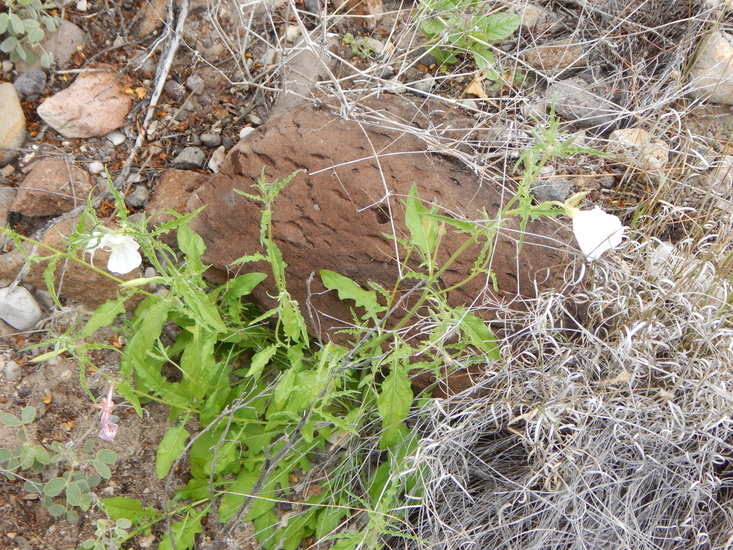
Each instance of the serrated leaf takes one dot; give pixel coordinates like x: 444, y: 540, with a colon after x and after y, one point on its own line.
x: 236, y: 495
x: 170, y: 449
x: 54, y: 486
x: 393, y: 404
x: 478, y: 333
x: 260, y: 360
x: 423, y: 229
x: 349, y: 290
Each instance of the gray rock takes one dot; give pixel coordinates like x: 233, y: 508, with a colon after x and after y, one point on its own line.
x: 205, y: 100
x: 244, y: 132
x: 116, y: 138
x: 211, y: 140
x: 195, y: 84
x: 175, y: 90
x: 138, y: 198
x: 12, y: 371
x: 227, y: 142
x: 30, y: 85
x: 711, y: 77
x: 551, y: 189
x: 18, y: 308
x: 585, y: 104
x: 188, y: 158
x: 12, y: 123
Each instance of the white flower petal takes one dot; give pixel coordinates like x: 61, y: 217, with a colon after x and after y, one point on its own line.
x: 596, y: 231
x: 124, y: 257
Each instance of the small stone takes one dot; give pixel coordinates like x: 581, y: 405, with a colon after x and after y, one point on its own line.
x: 175, y: 90
x: 638, y: 148
x: 227, y: 142
x: 149, y: 272
x: 7, y: 65
x: 12, y: 370
x: 92, y: 106
x: 138, y: 198
x: 189, y: 158
x: 205, y: 100
x: 551, y: 189
x: 217, y: 158
x: 585, y: 104
x: 52, y: 187
x: 30, y: 84
x: 244, y: 132
x: 253, y: 119
x: 12, y: 123
x: 553, y: 58
x: 211, y: 140
x: 180, y: 115
x: 711, y: 77
x: 18, y: 308
x: 95, y: 167
x: 195, y: 84
x: 116, y: 138
x: 7, y: 171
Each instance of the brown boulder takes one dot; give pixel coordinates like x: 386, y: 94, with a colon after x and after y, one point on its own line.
x: 335, y: 213
x: 52, y: 187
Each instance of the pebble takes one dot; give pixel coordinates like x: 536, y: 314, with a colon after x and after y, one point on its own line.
x: 227, y: 142
x: 138, y: 197
x: 7, y: 65
x: 175, y: 90
x: 30, y: 84
x: 195, y: 84
x: 253, y: 119
x: 12, y: 370
x: 211, y: 140
x: 244, y: 132
x: 217, y: 159
x: 116, y: 138
x: 188, y: 158
x: 205, y: 100
x: 18, y: 308
x: 95, y: 167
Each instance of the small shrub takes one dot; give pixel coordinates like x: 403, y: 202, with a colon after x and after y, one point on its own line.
x: 24, y: 27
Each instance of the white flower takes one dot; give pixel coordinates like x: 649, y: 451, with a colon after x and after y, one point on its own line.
x: 596, y: 231
x: 124, y: 256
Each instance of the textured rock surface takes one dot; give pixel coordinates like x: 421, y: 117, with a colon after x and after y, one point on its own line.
x: 18, y: 308
x: 711, y: 77
x: 92, y: 106
x: 12, y: 122
x: 334, y: 214
x: 52, y: 187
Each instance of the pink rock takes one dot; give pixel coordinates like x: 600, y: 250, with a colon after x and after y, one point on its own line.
x: 94, y: 105
x: 52, y: 187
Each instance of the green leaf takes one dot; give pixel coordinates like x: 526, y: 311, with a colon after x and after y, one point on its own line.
x: 56, y: 510
x: 102, y: 469
x: 104, y: 316
x: 478, y: 333
x: 28, y: 414
x: 9, y: 44
x: 184, y: 532
x: 10, y: 420
x: 393, y: 403
x: 260, y: 360
x: 46, y: 59
x: 243, y: 285
x: 4, y: 18
x: 292, y: 320
x: 198, y: 362
x: 42, y: 455
x: 349, y: 290
x: 16, y: 24
x: 204, y: 312
x: 423, y: 229
x: 236, y: 494
x: 107, y: 456
x: 498, y: 26
x: 73, y: 494
x: 29, y: 25
x: 170, y: 449
x: 192, y: 246
x: 54, y: 486
x: 118, y: 508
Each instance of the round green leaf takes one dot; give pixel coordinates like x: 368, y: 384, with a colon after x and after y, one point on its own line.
x: 5, y: 454
x: 123, y: 523
x: 36, y: 35
x: 54, y: 487
x: 102, y: 469
x: 16, y: 24
x: 56, y: 510
x: 94, y: 480
x: 32, y: 486
x: 107, y: 456
x: 73, y: 494
x: 41, y: 454
x: 72, y: 516
x: 9, y: 44
x: 46, y: 60
x: 27, y: 458
x: 3, y: 23
x: 10, y: 420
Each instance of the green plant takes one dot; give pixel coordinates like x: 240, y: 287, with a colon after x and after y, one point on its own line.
x: 75, y: 470
x: 359, y: 46
x: 25, y: 23
x: 459, y: 27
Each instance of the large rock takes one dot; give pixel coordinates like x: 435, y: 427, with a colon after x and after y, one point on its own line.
x: 12, y: 123
x: 62, y: 44
x: 335, y: 213
x: 52, y: 187
x: 94, y: 105
x: 711, y: 77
